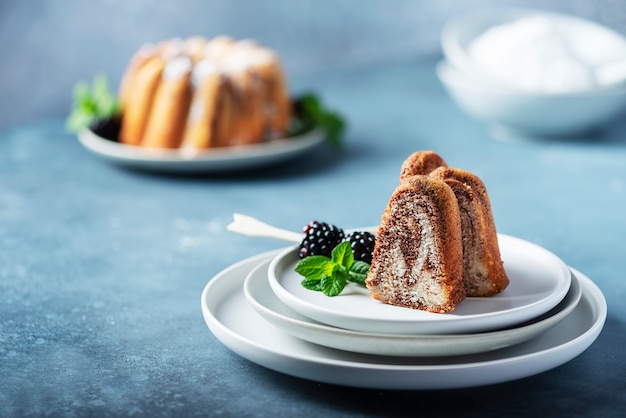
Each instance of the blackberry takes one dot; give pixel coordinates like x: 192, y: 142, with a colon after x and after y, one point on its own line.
x: 108, y: 128
x: 320, y: 238
x: 362, y: 244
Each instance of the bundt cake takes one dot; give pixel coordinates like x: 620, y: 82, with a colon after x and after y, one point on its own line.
x: 418, y: 256
x: 421, y: 162
x: 198, y: 93
x: 483, y: 269
x: 437, y: 241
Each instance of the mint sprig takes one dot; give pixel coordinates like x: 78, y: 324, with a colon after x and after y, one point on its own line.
x: 311, y: 112
x: 90, y: 104
x: 331, y: 275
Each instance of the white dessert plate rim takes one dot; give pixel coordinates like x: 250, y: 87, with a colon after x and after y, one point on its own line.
x: 539, y: 281
x: 259, y: 294
x: 222, y: 159
x: 237, y: 325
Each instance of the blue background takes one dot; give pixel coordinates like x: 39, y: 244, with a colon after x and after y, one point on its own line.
x: 102, y: 268
x: 47, y: 45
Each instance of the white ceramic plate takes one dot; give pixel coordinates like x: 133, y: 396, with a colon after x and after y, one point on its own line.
x: 538, y: 282
x: 236, y: 324
x: 216, y: 160
x: 259, y: 294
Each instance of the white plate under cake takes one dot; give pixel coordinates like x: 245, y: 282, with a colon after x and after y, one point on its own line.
x: 539, y: 280
x: 235, y: 323
x: 259, y: 294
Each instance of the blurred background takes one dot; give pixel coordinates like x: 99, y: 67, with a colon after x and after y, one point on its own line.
x: 46, y: 46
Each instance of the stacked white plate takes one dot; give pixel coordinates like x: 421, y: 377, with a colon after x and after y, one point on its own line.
x: 548, y: 315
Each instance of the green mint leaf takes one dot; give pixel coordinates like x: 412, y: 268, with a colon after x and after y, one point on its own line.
x: 358, y: 272
x: 106, y: 102
x: 335, y: 128
x: 314, y: 267
x: 100, y: 87
x: 330, y: 276
x: 81, y: 92
x: 310, y: 112
x: 91, y: 104
x: 312, y: 284
x: 338, y: 270
x: 342, y: 255
x: 313, y: 107
x: 333, y: 285
x: 76, y: 121
x: 360, y: 267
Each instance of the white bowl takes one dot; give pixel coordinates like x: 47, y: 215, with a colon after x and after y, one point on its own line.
x: 532, y: 114
x: 597, y: 45
x: 500, y: 102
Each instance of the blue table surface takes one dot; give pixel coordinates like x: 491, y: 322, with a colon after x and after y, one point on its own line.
x: 101, y: 267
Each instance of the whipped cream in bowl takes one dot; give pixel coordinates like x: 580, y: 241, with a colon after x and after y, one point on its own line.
x: 536, y: 51
x: 534, y: 73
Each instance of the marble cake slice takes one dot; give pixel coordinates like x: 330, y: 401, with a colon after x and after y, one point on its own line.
x: 483, y: 269
x: 418, y: 259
